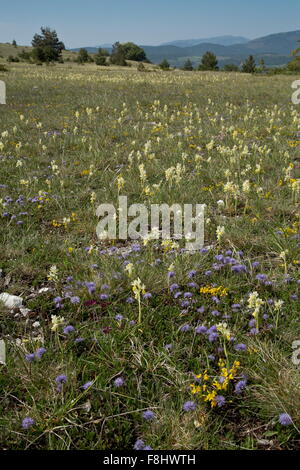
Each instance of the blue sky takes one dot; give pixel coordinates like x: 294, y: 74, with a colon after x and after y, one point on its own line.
x: 93, y: 22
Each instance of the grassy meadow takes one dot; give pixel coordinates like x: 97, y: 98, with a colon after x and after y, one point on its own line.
x: 199, y: 355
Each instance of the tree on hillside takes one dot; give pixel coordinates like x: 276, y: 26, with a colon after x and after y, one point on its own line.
x: 188, y: 65
x: 14, y: 43
x: 100, y: 57
x: 133, y: 52
x: 231, y: 68
x: 117, y: 56
x: 46, y: 46
x: 83, y: 57
x: 209, y: 61
x: 164, y: 65
x: 294, y: 65
x: 249, y: 66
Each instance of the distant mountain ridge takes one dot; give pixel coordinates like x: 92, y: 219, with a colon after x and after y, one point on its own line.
x: 274, y: 49
x: 220, y: 40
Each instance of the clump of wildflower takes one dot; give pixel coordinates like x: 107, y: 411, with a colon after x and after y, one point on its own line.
x: 148, y: 415
x: 53, y: 274
x: 220, y: 291
x: 189, y: 406
x: 56, y: 322
x: 27, y: 422
x: 138, y: 289
x: 119, y: 381
x: 285, y: 419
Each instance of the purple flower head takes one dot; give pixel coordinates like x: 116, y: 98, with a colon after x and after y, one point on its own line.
x: 220, y: 400
x: 240, y: 386
x: 130, y: 300
x: 213, y: 337
x: 61, y: 379
x: 177, y: 294
x: 148, y: 415
x: 74, y: 300
x: 285, y: 419
x: 189, y: 406
x: 187, y: 295
x: 192, y: 273
x: 185, y: 328
x: 40, y: 352
x: 30, y: 357
x: 239, y: 268
x: 103, y: 296
x: 68, y: 329
x: 119, y: 317
x: 240, y: 347
x: 119, y: 381
x: 171, y: 274
x: 27, y: 422
x: 148, y: 295
x: 91, y: 287
x: 174, y: 287
x: 87, y: 385
x: 78, y: 340
x: 139, y: 444
x: 200, y: 330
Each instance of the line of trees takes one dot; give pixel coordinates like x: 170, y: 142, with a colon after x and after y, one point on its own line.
x: 47, y: 47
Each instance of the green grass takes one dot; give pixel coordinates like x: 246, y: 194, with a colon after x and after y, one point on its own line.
x: 67, y: 133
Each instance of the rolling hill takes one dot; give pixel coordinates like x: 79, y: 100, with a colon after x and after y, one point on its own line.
x: 275, y: 49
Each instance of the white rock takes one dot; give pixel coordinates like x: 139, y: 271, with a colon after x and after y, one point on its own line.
x: 11, y: 301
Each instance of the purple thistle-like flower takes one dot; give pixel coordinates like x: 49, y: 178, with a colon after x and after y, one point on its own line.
x: 139, y: 444
x: 119, y: 317
x: 200, y: 330
x: 30, y: 357
x: 240, y: 386
x: 68, y: 329
x: 192, y: 273
x: 27, y: 422
x: 61, y: 379
x: 78, y: 340
x: 239, y: 268
x: 220, y: 400
x: 213, y: 337
x: 189, y: 406
x: 148, y: 415
x: 174, y: 287
x: 285, y: 419
x: 40, y: 352
x: 87, y: 385
x: 201, y: 309
x: 185, y: 328
x: 171, y: 274
x: 187, y: 295
x: 91, y: 287
x: 168, y: 347
x: 119, y: 381
x: 130, y: 300
x: 148, y: 295
x: 74, y: 299
x: 103, y: 296
x: 240, y: 347
x: 177, y: 294
x: 147, y: 448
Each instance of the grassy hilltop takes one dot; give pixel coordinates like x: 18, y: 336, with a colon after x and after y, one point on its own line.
x: 209, y: 366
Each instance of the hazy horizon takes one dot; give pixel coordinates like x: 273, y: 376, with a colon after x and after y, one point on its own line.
x: 96, y: 22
